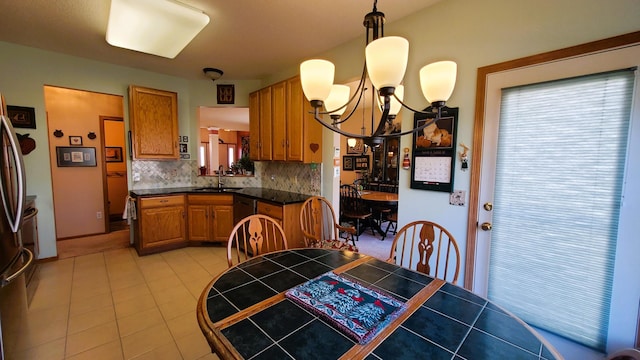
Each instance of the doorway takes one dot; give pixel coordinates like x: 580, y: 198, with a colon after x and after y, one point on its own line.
x: 115, y: 151
x: 586, y: 59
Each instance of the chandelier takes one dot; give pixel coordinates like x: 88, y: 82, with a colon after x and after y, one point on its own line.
x: 385, y: 64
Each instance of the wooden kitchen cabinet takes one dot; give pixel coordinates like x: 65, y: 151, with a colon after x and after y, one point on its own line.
x: 289, y: 218
x: 210, y: 217
x: 287, y: 130
x: 160, y: 224
x: 154, y: 123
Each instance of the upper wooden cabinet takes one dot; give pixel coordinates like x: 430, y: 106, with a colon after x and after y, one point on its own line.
x: 154, y: 123
x: 281, y: 116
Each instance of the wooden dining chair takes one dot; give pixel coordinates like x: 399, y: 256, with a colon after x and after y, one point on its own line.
x: 417, y: 242
x: 353, y: 209
x: 254, y: 235
x: 320, y: 227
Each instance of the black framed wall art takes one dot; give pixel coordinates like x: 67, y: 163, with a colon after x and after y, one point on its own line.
x: 68, y: 156
x: 434, y: 153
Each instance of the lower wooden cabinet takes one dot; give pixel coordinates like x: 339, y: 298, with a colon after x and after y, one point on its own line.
x: 160, y: 224
x: 210, y: 217
x: 289, y: 218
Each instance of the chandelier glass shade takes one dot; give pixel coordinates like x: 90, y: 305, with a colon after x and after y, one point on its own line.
x: 385, y: 65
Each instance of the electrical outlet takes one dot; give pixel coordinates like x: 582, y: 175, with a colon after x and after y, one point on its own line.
x: 99, y: 215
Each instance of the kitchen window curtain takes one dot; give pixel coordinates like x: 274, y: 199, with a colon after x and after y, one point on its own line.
x: 559, y: 177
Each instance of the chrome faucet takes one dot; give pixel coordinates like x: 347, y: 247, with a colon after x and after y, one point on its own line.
x: 220, y: 171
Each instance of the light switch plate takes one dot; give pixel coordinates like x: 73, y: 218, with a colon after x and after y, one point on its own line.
x: 457, y: 197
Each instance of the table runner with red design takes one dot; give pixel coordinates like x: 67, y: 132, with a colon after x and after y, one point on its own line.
x: 357, y: 311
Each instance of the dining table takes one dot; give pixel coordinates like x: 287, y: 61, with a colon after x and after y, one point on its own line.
x: 377, y: 201
x: 274, y: 306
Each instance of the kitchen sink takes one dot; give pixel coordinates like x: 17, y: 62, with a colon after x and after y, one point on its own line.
x: 216, y: 189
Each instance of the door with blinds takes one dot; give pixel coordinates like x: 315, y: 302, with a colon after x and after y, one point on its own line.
x: 557, y: 141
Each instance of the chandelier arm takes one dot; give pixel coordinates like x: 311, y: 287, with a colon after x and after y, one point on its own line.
x: 415, y: 130
x: 358, y: 91
x: 355, y: 107
x: 335, y: 129
x: 412, y: 109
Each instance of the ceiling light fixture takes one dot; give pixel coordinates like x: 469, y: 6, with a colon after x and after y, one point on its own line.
x: 212, y: 73
x: 157, y: 27
x: 385, y: 64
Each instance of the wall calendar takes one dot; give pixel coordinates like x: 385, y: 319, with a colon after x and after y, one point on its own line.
x: 434, y: 151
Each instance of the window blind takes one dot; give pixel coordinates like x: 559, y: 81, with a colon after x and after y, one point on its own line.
x: 559, y: 176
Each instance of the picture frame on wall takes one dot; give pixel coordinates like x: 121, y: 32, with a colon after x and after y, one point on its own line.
x: 434, y: 152
x: 357, y: 149
x: 347, y: 163
x: 75, y: 140
x: 226, y: 93
x: 21, y: 116
x: 68, y: 156
x: 113, y: 154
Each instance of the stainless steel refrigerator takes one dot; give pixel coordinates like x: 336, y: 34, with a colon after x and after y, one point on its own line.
x: 14, y: 258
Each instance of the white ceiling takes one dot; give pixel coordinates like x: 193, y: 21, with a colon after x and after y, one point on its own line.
x: 247, y: 39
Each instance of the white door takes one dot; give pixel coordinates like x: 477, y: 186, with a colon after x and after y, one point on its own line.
x: 577, y: 66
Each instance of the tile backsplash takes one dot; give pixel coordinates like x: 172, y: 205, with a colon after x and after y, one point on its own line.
x: 293, y: 177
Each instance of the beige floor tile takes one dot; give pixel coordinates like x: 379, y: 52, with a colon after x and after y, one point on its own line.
x: 184, y: 325
x: 166, y: 283
x: 53, y: 350
x: 193, y: 346
x: 130, y: 293
x: 139, y: 321
x: 146, y: 340
x: 91, y: 319
x: 198, y: 286
x: 48, y: 297
x: 173, y: 309
x: 83, y: 292
x: 126, y: 281
x: 43, y: 326
x: 134, y: 306
x: 109, y: 351
x: 166, y: 352
x: 91, y: 338
x: 175, y: 294
x: 156, y: 271
x: 210, y: 356
x: 92, y: 303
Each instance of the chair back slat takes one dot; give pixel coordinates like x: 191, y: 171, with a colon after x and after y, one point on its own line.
x: 426, y: 238
x: 254, y: 235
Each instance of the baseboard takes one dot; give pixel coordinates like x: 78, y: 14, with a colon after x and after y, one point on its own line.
x: 93, y: 244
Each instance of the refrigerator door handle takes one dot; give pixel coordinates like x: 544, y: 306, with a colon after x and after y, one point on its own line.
x: 5, y: 280
x: 15, y: 219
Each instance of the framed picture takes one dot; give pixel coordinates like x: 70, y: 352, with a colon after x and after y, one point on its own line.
x: 183, y: 148
x: 113, y: 154
x: 434, y: 153
x: 347, y: 163
x: 22, y: 117
x: 226, y: 94
x: 357, y: 149
x: 75, y: 140
x: 361, y: 162
x: 75, y: 156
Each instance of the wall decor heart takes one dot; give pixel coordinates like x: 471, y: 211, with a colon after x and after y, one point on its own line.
x: 314, y: 147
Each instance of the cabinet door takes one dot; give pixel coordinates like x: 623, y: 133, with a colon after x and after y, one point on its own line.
x: 162, y: 226
x: 199, y: 228
x: 295, y: 117
x: 154, y: 123
x: 222, y: 222
x: 254, y: 126
x: 265, y: 124
x: 279, y: 120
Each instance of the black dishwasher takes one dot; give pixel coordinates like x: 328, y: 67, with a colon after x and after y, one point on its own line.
x: 243, y: 206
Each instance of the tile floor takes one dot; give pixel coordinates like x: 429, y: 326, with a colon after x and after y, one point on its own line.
x: 117, y: 305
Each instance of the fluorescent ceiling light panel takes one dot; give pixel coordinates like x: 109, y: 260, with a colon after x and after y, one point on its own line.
x: 158, y: 27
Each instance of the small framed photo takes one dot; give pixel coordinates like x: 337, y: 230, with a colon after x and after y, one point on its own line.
x: 226, y: 94
x: 347, y: 163
x: 113, y: 154
x: 75, y: 140
x: 75, y: 156
x: 22, y: 117
x: 183, y: 148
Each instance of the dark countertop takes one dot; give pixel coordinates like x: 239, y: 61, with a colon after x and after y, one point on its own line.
x: 270, y: 195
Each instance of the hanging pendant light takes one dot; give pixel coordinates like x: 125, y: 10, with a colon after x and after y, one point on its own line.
x: 385, y: 65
